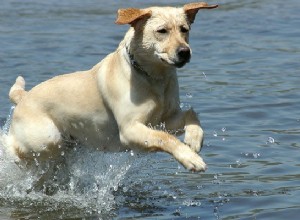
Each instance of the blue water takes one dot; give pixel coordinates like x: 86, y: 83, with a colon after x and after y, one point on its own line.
x: 243, y: 81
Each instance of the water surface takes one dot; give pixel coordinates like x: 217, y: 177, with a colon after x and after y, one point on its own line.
x: 243, y: 81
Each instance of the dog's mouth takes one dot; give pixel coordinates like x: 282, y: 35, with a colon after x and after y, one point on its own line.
x: 178, y: 63
x: 181, y: 64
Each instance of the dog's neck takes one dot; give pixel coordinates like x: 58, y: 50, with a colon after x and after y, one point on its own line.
x: 136, y: 65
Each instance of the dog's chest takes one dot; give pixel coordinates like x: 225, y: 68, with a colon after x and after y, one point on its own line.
x: 164, y: 104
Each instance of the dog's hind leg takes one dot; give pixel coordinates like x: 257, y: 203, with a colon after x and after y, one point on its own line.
x: 34, y: 136
x: 36, y: 145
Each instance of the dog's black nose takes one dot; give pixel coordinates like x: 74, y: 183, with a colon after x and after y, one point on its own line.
x: 184, y: 53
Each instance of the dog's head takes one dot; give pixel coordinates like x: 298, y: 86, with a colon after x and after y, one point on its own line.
x: 161, y: 34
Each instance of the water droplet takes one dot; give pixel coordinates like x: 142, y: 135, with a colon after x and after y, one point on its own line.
x: 271, y: 140
x: 62, y: 153
x: 74, y: 125
x: 189, y: 95
x: 191, y: 203
x: 125, y: 189
x: 36, y: 162
x: 177, y: 212
x: 238, y: 162
x: 215, y: 134
x: 44, y: 146
x: 131, y: 153
x: 256, y: 155
x: 200, y: 187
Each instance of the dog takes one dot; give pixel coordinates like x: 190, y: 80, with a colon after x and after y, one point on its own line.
x: 129, y: 100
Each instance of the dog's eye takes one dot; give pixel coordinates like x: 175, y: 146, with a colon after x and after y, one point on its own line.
x: 162, y: 31
x: 183, y: 29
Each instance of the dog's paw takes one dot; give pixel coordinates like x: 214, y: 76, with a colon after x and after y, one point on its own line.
x: 189, y: 159
x: 193, y: 137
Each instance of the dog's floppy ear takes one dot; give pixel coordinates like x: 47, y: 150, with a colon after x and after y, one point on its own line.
x: 131, y: 15
x: 191, y: 9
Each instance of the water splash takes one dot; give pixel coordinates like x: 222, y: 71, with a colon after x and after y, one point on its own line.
x: 82, y: 179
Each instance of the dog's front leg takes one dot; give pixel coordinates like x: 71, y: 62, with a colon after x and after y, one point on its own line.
x: 193, y: 131
x: 138, y: 135
x: 188, y: 121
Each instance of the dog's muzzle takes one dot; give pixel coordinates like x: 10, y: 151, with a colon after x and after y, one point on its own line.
x: 181, y: 56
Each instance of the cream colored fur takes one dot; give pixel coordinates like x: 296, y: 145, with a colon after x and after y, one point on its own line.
x: 115, y: 106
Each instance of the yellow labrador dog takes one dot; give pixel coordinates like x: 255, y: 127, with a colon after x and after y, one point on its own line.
x: 130, y: 100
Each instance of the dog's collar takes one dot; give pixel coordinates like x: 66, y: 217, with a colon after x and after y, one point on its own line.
x: 135, y: 64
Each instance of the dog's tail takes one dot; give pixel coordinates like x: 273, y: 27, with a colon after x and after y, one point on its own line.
x: 17, y: 91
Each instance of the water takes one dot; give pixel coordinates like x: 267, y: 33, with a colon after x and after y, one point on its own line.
x: 243, y: 80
